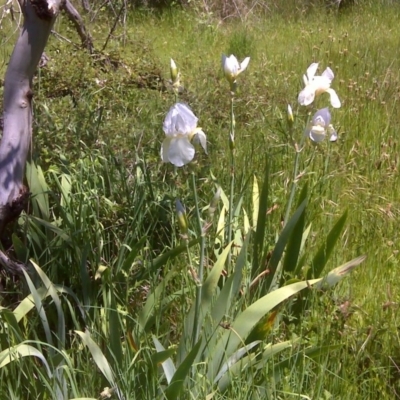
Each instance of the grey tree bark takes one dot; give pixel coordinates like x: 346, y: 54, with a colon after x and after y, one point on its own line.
x: 39, y: 17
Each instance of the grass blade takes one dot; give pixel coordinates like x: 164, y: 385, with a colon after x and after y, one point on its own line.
x: 37, y: 299
x: 294, y: 245
x: 245, y: 322
x: 164, y: 258
x: 39, y: 190
x: 234, y: 358
x: 175, y: 387
x: 57, y: 302
x: 325, y: 251
x: 261, y: 223
x: 98, y: 356
x: 19, y: 351
x: 207, y: 294
x: 279, y: 248
x: 167, y: 364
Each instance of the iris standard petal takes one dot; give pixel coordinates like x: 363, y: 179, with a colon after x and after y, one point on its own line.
x: 244, y: 64
x: 180, y: 151
x: 189, y: 120
x: 231, y: 66
x: 328, y: 73
x: 167, y: 124
x: 334, y: 98
x: 179, y: 120
x: 312, y: 70
x: 322, y: 117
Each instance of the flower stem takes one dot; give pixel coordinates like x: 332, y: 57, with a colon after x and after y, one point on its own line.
x: 199, y: 280
x: 232, y: 171
x: 298, y: 149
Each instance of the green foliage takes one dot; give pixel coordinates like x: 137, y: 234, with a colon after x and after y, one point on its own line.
x: 242, y: 44
x: 113, y: 303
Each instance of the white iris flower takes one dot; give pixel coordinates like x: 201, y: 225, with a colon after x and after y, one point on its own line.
x: 180, y: 127
x: 232, y: 68
x: 316, y: 85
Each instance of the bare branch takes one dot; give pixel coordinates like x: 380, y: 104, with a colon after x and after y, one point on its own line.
x: 114, y: 26
x: 76, y: 19
x: 85, y: 5
x: 11, y: 266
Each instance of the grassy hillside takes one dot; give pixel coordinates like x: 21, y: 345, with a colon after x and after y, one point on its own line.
x: 112, y: 256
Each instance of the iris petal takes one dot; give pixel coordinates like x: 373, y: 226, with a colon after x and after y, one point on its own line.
x: 200, y: 137
x: 244, y: 64
x: 180, y: 126
x: 312, y: 70
x: 179, y: 120
x: 328, y: 73
x: 322, y: 117
x: 317, y: 133
x: 165, y: 149
x: 180, y: 151
x: 334, y: 98
x: 333, y: 133
x: 306, y: 96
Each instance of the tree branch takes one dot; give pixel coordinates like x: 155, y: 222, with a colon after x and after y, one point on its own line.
x: 85, y: 5
x: 13, y: 267
x: 76, y: 19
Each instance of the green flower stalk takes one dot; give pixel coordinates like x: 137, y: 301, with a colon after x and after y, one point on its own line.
x: 232, y: 69
x: 214, y: 203
x: 200, y: 273
x: 297, y: 148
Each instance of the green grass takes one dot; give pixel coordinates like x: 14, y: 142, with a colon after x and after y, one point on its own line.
x: 102, y: 218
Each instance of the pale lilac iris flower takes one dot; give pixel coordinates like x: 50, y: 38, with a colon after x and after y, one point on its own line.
x: 320, y: 126
x: 180, y: 127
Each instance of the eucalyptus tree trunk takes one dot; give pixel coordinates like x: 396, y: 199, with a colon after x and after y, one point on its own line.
x: 39, y: 17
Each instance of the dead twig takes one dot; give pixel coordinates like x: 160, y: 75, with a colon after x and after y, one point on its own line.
x: 113, y: 27
x: 77, y: 20
x: 11, y: 266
